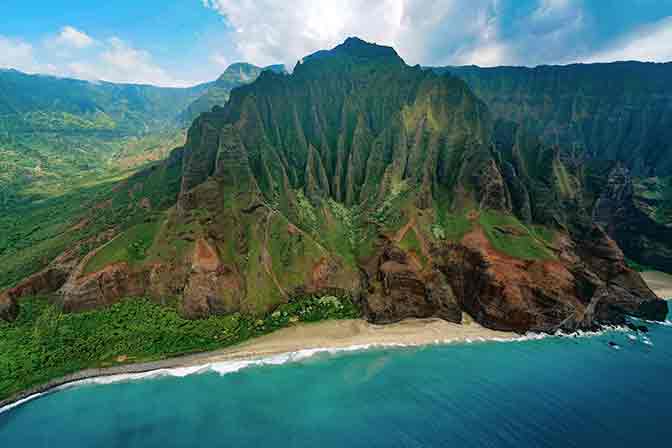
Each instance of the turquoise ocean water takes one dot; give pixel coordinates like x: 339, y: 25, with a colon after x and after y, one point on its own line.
x: 554, y: 392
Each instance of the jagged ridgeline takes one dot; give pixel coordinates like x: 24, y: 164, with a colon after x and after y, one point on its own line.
x: 360, y: 175
x: 603, y: 132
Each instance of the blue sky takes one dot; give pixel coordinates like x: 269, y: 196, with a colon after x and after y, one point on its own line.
x: 183, y: 42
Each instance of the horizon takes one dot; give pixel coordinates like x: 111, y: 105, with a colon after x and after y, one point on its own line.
x: 289, y: 70
x: 182, y: 44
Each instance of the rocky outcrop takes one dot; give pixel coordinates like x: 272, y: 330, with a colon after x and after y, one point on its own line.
x: 576, y: 291
x: 212, y: 288
x: 631, y: 221
x: 618, y: 290
x: 103, y: 288
x: 9, y: 310
x: 44, y: 282
x: 400, y: 288
x: 510, y: 294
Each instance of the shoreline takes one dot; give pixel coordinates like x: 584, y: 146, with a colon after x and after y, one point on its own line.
x: 327, y: 336
x: 309, y: 338
x: 659, y: 282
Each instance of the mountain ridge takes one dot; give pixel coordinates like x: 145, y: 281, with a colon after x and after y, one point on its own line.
x: 611, y: 122
x: 372, y: 179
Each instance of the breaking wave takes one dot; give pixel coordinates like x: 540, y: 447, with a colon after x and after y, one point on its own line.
x: 232, y: 366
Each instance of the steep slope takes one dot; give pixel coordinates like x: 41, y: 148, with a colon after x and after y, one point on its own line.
x: 58, y: 133
x: 39, y: 103
x: 357, y: 175
x: 219, y: 91
x: 606, y: 130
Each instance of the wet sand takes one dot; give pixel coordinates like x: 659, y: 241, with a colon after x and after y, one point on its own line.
x: 328, y: 335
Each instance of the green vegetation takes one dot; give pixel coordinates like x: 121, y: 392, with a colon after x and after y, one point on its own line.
x: 510, y: 236
x: 451, y: 226
x: 44, y: 343
x: 131, y: 246
x: 388, y: 214
x: 411, y: 243
x: 35, y: 233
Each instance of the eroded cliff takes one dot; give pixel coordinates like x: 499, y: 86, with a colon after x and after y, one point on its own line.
x: 360, y: 175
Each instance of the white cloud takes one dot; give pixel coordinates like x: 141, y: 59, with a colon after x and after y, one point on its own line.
x: 487, y: 48
x: 429, y: 32
x: 73, y: 38
x: 219, y: 59
x: 275, y: 31
x: 15, y: 53
x: 423, y: 31
x: 120, y: 62
x: 648, y: 43
x: 111, y: 60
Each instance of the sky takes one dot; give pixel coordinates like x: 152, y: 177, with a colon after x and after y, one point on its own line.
x: 185, y: 42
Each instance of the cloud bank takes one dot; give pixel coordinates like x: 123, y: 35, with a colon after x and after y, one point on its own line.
x: 74, y: 53
x: 427, y: 32
x: 648, y: 43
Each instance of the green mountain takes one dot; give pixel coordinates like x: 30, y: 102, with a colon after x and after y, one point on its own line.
x: 63, y: 142
x: 38, y: 103
x: 56, y: 133
x: 219, y: 91
x: 607, y: 134
x: 356, y: 175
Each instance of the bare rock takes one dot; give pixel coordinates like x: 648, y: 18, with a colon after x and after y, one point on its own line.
x: 8, y: 308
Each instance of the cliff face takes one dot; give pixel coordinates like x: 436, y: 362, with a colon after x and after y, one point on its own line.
x: 606, y: 128
x: 218, y: 92
x: 360, y: 175
x: 618, y: 111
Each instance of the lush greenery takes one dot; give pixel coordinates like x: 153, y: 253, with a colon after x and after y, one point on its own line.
x: 33, y: 234
x: 130, y: 246
x: 44, y: 343
x: 510, y: 236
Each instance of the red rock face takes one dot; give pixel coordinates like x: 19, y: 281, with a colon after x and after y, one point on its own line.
x: 44, y: 282
x: 509, y: 294
x: 577, y: 291
x: 212, y: 288
x: 8, y: 308
x: 103, y: 288
x: 400, y: 288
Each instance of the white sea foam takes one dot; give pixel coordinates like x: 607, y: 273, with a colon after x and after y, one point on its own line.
x: 227, y: 367
x: 665, y: 323
x: 20, y: 402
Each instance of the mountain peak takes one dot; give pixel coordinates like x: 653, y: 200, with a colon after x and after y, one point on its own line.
x: 356, y: 48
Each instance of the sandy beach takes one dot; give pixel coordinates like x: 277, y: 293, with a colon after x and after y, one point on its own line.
x: 328, y: 335
x: 659, y: 282
x: 356, y: 332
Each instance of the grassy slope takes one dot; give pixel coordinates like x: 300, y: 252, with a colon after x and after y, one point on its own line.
x: 44, y: 343
x: 510, y: 236
x: 130, y: 246
x: 35, y: 233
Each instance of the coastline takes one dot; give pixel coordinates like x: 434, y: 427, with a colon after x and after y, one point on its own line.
x: 659, y: 282
x: 337, y: 335
x: 304, y: 340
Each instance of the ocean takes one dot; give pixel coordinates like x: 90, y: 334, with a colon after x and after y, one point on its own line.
x: 550, y: 392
